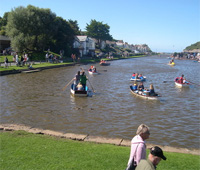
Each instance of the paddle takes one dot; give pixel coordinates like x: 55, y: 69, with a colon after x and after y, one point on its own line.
x: 193, y: 83
x: 91, y: 85
x: 67, y: 84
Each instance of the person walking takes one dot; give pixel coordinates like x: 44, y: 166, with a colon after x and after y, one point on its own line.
x: 6, y: 62
x: 154, y: 158
x: 138, y: 146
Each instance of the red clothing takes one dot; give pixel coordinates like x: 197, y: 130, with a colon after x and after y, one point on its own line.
x: 181, y: 79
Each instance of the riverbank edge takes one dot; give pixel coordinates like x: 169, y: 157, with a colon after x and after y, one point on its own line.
x: 3, y: 73
x: 90, y: 138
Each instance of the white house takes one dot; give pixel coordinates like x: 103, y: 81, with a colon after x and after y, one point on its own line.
x: 85, y: 44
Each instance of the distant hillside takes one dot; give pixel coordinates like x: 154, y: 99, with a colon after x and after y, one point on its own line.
x: 193, y: 47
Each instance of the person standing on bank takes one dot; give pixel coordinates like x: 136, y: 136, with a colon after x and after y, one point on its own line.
x: 154, y: 158
x: 138, y: 146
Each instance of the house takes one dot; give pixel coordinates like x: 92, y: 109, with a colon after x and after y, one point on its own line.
x: 4, y: 42
x: 85, y: 44
x: 120, y: 43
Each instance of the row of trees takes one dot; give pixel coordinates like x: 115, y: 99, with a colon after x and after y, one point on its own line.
x: 34, y: 29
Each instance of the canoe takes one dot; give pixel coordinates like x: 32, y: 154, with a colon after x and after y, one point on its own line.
x: 104, y: 64
x: 91, y: 72
x: 78, y: 92
x: 135, y: 92
x: 138, y: 79
x: 178, y: 84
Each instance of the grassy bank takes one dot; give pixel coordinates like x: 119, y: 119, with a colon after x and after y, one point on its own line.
x: 22, y: 150
x: 42, y: 64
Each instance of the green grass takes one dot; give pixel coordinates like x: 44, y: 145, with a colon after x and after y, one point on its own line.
x: 2, y: 68
x: 10, y: 58
x: 26, y: 151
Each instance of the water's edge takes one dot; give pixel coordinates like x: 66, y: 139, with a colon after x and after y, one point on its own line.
x: 89, y: 138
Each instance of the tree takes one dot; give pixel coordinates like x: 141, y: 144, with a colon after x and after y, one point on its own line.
x: 74, y: 26
x: 3, y: 23
x: 64, y: 36
x: 34, y: 29
x: 98, y: 30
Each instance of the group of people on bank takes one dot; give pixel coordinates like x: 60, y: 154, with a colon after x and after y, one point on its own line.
x: 137, y: 159
x: 80, y: 81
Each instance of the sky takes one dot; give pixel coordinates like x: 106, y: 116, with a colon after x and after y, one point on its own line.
x: 164, y: 25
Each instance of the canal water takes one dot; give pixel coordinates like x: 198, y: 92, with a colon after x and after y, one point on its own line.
x: 37, y: 100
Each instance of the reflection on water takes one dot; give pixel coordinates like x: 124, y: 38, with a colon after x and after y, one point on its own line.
x: 37, y: 100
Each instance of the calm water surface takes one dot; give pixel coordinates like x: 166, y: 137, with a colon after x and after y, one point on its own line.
x: 37, y: 100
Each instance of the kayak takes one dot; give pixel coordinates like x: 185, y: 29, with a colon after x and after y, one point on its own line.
x: 138, y: 79
x: 80, y: 93
x: 143, y: 94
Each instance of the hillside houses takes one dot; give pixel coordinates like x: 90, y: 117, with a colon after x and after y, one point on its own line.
x: 86, y: 45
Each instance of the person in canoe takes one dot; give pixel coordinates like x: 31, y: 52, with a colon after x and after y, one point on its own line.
x: 77, y: 79
x: 102, y: 61
x: 151, y: 91
x: 181, y: 80
x: 94, y: 70
x: 171, y: 61
x: 83, y: 80
x: 135, y: 86
x: 133, y: 75
x: 140, y: 76
x: 140, y: 88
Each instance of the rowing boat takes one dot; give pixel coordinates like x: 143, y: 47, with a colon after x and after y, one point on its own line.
x: 80, y: 93
x: 171, y: 64
x: 104, y: 63
x: 143, y: 95
x: 92, y: 72
x: 143, y: 78
x: 179, y: 84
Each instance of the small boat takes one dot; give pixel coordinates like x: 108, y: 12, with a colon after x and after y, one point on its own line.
x: 104, y: 63
x: 179, y: 84
x: 143, y: 78
x: 80, y: 93
x: 171, y: 64
x: 143, y: 95
x: 92, y: 72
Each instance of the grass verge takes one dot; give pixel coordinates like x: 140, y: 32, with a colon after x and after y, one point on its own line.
x: 22, y: 150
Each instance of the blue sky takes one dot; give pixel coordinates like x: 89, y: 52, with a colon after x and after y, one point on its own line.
x: 164, y: 25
